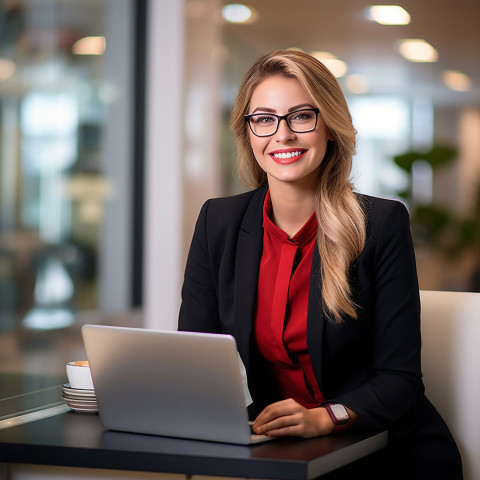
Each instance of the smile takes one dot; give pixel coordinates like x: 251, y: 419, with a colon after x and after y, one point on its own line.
x: 285, y: 157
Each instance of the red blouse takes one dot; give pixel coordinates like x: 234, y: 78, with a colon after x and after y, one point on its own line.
x: 281, y: 313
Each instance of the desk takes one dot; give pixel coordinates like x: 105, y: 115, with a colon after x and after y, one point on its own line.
x: 79, y: 440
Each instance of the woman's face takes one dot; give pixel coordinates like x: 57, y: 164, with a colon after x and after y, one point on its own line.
x: 287, y: 156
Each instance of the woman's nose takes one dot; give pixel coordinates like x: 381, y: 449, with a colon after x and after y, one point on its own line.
x: 284, y: 133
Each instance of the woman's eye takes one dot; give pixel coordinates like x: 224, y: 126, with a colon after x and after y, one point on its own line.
x: 265, y: 119
x: 301, y: 116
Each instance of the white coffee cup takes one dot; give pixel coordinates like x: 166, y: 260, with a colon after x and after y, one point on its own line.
x: 79, y: 375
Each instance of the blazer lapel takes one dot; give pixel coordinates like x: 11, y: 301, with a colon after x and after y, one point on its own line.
x: 316, y: 319
x: 247, y: 264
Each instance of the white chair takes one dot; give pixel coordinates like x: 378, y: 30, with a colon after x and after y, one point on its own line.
x: 451, y: 367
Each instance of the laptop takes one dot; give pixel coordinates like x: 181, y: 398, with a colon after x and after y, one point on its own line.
x: 175, y: 384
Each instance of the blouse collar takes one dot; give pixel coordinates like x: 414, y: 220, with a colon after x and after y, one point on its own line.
x: 303, y: 236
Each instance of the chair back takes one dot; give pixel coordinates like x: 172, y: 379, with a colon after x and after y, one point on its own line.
x: 451, y: 367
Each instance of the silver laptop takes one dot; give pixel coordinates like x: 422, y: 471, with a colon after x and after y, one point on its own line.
x: 176, y: 384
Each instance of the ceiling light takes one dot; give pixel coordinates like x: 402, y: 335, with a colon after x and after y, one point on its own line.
x: 89, y: 46
x: 357, y: 84
x: 336, y: 66
x: 456, y: 80
x: 7, y: 68
x: 417, y: 50
x: 388, y: 14
x: 322, y: 55
x: 237, y: 13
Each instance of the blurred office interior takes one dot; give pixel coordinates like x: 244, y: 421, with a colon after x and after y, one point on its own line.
x: 114, y: 130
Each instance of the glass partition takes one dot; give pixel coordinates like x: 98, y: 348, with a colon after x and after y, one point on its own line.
x: 65, y: 160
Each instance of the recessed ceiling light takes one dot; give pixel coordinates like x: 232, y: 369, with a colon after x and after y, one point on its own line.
x: 357, y: 84
x: 238, y: 13
x: 335, y: 65
x: 89, y: 46
x: 388, y: 14
x: 456, y: 80
x: 7, y: 68
x: 417, y: 50
x: 323, y: 55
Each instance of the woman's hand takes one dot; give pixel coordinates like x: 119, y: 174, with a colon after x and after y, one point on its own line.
x: 289, y: 418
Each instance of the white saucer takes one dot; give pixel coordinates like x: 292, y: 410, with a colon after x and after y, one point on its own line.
x: 84, y: 401
x: 79, y: 400
x: 76, y: 396
x: 77, y: 391
x: 81, y: 407
x: 84, y: 410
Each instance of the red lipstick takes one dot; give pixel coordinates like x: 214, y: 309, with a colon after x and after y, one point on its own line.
x: 287, y: 156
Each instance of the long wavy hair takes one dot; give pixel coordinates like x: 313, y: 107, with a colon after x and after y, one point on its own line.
x: 341, y: 219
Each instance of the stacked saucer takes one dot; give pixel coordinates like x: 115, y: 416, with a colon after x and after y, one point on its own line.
x: 80, y: 400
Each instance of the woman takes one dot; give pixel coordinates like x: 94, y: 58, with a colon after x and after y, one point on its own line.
x: 317, y: 283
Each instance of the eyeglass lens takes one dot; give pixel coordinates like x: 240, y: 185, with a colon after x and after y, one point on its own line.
x: 264, y: 124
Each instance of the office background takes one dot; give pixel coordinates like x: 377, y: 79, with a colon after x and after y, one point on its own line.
x: 114, y: 130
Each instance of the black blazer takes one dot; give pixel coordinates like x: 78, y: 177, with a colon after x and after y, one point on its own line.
x: 371, y: 364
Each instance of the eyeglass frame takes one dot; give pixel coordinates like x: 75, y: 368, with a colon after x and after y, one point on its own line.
x: 283, y: 117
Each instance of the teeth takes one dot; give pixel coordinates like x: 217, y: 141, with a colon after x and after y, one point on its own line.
x: 287, y: 155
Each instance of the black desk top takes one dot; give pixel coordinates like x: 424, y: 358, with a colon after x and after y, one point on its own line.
x: 75, y: 439
x: 37, y: 428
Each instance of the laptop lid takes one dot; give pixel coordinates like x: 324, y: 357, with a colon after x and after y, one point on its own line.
x: 177, y: 384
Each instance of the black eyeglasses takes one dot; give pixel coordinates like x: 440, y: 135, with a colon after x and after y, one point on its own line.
x: 266, y: 124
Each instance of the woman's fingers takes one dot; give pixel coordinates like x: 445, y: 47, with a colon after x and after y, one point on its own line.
x: 287, y: 417
x: 275, y: 411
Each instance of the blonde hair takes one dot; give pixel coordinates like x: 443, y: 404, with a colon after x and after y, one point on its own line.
x: 341, y: 219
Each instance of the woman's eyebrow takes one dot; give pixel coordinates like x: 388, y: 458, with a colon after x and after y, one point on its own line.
x: 291, y: 109
x: 264, y: 109
x: 298, y: 107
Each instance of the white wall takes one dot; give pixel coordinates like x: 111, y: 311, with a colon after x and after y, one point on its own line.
x: 182, y: 164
